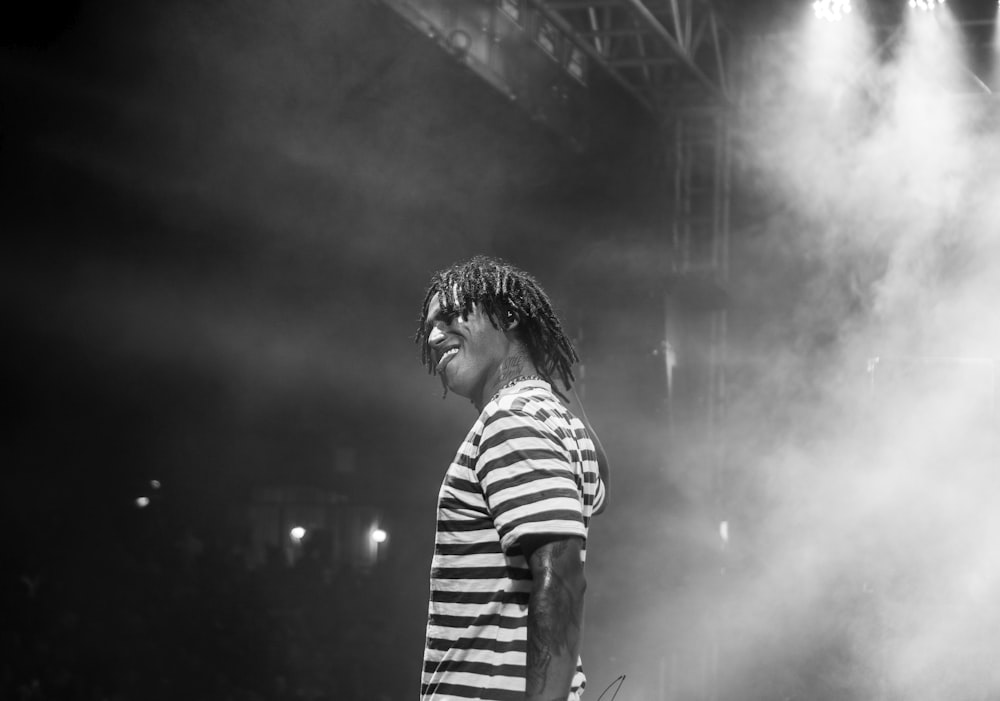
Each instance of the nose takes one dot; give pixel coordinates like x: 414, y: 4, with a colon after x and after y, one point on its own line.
x: 436, y: 336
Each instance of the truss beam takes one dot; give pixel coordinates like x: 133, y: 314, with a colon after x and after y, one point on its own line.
x: 652, y: 49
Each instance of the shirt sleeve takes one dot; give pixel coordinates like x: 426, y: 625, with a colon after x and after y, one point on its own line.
x: 528, y: 479
x: 600, y: 495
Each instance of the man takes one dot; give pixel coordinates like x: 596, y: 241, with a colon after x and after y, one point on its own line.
x: 505, y: 617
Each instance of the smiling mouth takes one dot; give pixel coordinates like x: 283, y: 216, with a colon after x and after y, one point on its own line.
x: 445, y: 357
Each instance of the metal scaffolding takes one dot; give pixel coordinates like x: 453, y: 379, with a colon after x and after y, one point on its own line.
x: 664, y: 52
x: 699, y: 236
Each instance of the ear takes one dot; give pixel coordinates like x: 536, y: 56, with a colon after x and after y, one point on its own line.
x: 510, y: 321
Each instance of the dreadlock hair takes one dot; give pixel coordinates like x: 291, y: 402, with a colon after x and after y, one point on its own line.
x: 503, y: 292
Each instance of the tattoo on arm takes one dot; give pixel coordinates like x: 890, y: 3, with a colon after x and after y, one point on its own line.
x: 555, y: 620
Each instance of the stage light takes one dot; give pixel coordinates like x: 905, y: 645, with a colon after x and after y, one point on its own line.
x: 925, y: 5
x: 460, y: 42
x: 297, y: 534
x: 832, y: 10
x: 142, y: 502
x: 379, y: 535
x: 155, y: 484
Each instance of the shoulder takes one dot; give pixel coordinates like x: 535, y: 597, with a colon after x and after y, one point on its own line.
x: 536, y: 410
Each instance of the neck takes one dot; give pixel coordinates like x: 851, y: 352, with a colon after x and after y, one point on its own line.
x: 516, y: 365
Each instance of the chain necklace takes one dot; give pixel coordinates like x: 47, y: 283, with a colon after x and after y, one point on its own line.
x: 521, y: 378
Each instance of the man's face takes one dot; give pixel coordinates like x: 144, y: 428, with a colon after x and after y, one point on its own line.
x: 467, y: 351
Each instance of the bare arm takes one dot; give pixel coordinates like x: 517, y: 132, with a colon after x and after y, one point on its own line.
x: 555, y: 616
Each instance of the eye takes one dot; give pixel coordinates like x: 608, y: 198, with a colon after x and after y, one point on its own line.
x: 444, y: 317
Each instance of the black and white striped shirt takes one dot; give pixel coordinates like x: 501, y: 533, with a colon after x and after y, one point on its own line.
x: 527, y: 466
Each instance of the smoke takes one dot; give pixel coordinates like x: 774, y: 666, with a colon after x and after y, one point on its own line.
x: 863, y: 419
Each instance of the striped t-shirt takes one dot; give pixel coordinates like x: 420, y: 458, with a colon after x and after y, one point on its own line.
x: 528, y: 466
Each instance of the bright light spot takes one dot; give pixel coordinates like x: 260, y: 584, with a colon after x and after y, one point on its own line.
x: 142, y: 502
x: 155, y: 484
x: 828, y: 63
x: 297, y: 533
x: 927, y: 129
x: 832, y: 10
x: 379, y: 535
x: 724, y: 531
x: 925, y: 5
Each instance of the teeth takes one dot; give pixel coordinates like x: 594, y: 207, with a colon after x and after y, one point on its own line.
x: 444, y: 356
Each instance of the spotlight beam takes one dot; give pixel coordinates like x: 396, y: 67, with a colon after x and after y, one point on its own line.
x: 977, y: 80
